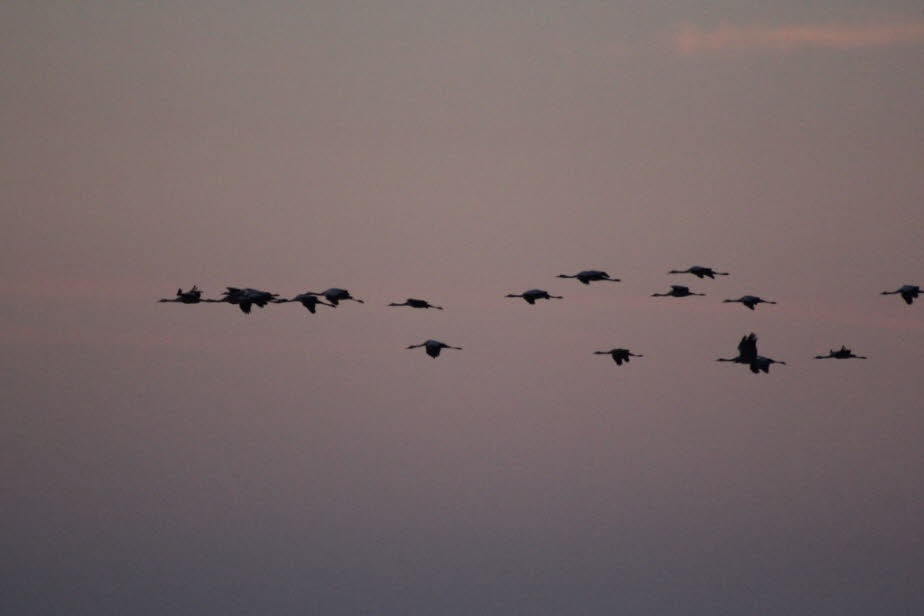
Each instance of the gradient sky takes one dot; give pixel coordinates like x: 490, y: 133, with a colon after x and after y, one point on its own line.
x: 168, y: 459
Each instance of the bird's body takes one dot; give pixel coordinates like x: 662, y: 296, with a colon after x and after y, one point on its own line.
x: 193, y: 296
x: 841, y: 353
x: 307, y: 300
x: 533, y: 294
x: 433, y: 347
x: 335, y: 295
x: 588, y: 276
x: 416, y: 303
x: 619, y: 355
x: 909, y: 292
x: 677, y: 290
x: 700, y: 272
x: 750, y: 301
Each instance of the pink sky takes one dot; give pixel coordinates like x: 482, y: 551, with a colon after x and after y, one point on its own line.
x: 161, y: 458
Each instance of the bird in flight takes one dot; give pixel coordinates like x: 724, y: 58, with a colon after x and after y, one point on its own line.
x: 245, y: 299
x: 747, y: 354
x: 909, y: 292
x: 588, y: 276
x: 841, y: 353
x: 677, y: 290
x: 699, y: 271
x: 193, y: 296
x: 747, y: 350
x: 619, y: 355
x: 335, y: 295
x: 749, y: 300
x: 433, y: 347
x: 533, y: 294
x: 416, y: 303
x: 307, y: 300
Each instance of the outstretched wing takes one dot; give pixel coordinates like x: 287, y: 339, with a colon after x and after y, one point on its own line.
x: 747, y: 348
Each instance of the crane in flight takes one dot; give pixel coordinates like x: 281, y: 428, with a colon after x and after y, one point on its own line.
x: 749, y: 300
x: 699, y: 271
x: 193, y: 296
x: 619, y: 355
x: 433, y: 347
x: 747, y: 354
x: 246, y: 298
x: 841, y: 353
x: 416, y: 303
x: 335, y: 295
x: 677, y: 290
x: 533, y: 294
x: 588, y: 276
x: 307, y: 300
x: 909, y: 292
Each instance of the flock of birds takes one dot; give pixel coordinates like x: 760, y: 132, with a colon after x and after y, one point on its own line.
x: 247, y: 298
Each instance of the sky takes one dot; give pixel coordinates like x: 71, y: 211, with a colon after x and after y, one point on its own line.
x: 164, y: 458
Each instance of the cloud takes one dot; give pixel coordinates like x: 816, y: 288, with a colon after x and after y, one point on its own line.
x: 690, y: 39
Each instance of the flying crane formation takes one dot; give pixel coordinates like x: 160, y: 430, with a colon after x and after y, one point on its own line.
x: 247, y: 297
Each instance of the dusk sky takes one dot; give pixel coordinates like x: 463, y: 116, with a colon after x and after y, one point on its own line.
x: 190, y: 460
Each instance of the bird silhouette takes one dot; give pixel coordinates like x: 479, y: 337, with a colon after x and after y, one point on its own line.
x: 533, y: 294
x: 699, y: 271
x: 619, y: 355
x: 246, y: 298
x: 841, y: 353
x: 335, y: 295
x: 909, y: 292
x: 747, y: 350
x: 307, y: 300
x: 747, y: 354
x: 416, y: 303
x: 193, y: 296
x: 749, y: 300
x: 677, y: 290
x: 433, y: 347
x: 588, y: 276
